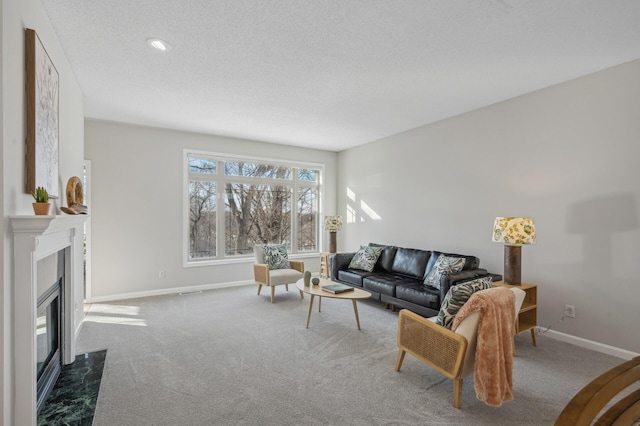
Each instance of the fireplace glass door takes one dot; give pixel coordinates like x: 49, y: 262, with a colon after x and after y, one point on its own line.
x: 48, y: 324
x: 47, y: 329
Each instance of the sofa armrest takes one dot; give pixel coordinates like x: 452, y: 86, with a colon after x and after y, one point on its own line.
x: 339, y: 261
x: 448, y: 280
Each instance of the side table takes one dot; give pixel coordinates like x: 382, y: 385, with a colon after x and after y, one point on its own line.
x: 324, y: 265
x: 528, y: 315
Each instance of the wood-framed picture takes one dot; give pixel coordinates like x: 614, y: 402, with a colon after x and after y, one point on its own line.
x: 42, y: 92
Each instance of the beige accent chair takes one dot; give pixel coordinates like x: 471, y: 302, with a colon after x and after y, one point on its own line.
x: 275, y: 277
x: 450, y: 353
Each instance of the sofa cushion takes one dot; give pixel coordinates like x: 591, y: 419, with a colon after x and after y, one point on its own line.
x: 284, y: 276
x: 458, y: 296
x: 410, y: 262
x: 365, y: 258
x: 275, y: 255
x: 418, y: 293
x: 444, y: 265
x: 383, y: 283
x: 385, y: 261
x: 353, y: 276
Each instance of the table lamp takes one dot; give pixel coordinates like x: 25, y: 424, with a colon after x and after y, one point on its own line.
x: 332, y: 224
x: 514, y: 232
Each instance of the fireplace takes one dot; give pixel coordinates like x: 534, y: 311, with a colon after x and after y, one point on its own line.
x: 50, y: 272
x: 47, y: 293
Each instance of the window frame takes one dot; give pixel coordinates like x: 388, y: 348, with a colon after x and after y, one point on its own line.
x: 221, y: 179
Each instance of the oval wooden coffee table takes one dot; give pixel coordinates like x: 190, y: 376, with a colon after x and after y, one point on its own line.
x: 316, y: 290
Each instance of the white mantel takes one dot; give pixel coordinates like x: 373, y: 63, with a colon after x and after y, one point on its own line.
x: 34, y: 238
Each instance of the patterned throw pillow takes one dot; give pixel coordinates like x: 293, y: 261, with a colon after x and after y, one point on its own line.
x: 444, y: 265
x: 458, y: 296
x: 365, y: 258
x: 275, y: 255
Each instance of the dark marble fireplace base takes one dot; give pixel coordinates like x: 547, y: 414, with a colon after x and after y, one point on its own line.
x: 73, y: 398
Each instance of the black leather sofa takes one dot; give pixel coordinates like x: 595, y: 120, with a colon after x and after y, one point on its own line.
x: 398, y: 275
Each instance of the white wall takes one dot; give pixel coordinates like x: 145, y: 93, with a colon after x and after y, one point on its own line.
x: 5, y: 294
x: 137, y: 206
x: 566, y: 155
x: 16, y: 16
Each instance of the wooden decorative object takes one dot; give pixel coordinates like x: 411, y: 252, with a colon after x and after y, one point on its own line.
x: 74, y: 191
x: 75, y: 197
x: 42, y: 93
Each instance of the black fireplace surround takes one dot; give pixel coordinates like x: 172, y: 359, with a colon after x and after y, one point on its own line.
x: 49, y: 325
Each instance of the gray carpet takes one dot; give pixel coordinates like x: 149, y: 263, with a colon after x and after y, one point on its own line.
x: 229, y: 357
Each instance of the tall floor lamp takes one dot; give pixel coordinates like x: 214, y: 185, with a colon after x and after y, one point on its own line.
x: 514, y: 232
x: 332, y: 224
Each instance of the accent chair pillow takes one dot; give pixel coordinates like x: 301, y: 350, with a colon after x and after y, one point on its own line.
x: 366, y: 258
x: 275, y: 255
x: 444, y: 265
x: 458, y: 296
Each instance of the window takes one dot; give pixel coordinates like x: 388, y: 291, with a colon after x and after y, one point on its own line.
x: 235, y: 203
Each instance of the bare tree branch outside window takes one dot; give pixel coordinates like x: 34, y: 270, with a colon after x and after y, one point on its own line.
x: 261, y: 204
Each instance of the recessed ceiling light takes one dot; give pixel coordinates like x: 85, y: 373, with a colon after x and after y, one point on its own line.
x: 158, y: 44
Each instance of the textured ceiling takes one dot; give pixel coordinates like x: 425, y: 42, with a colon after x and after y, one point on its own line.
x: 329, y: 74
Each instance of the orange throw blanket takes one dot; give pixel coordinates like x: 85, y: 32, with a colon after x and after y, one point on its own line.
x: 492, y: 374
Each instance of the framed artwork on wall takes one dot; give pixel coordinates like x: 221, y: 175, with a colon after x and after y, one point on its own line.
x: 42, y: 92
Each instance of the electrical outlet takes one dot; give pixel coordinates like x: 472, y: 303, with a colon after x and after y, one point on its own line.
x: 162, y: 275
x: 569, y: 311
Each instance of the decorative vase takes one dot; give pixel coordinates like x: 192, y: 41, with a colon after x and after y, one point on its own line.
x: 307, y: 278
x: 315, y: 281
x: 41, y: 209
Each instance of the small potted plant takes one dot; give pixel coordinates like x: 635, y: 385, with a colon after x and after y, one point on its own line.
x: 41, y: 206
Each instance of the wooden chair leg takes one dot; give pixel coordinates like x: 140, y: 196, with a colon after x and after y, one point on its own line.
x: 457, y: 392
x: 286, y: 287
x: 273, y: 292
x: 399, y: 359
x: 301, y: 294
x: 259, y: 288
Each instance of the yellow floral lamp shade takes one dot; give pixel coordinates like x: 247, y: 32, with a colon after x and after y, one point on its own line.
x: 514, y: 230
x: 332, y: 223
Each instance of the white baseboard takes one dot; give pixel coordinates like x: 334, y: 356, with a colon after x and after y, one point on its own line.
x: 165, y: 291
x: 79, y: 328
x: 589, y: 344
